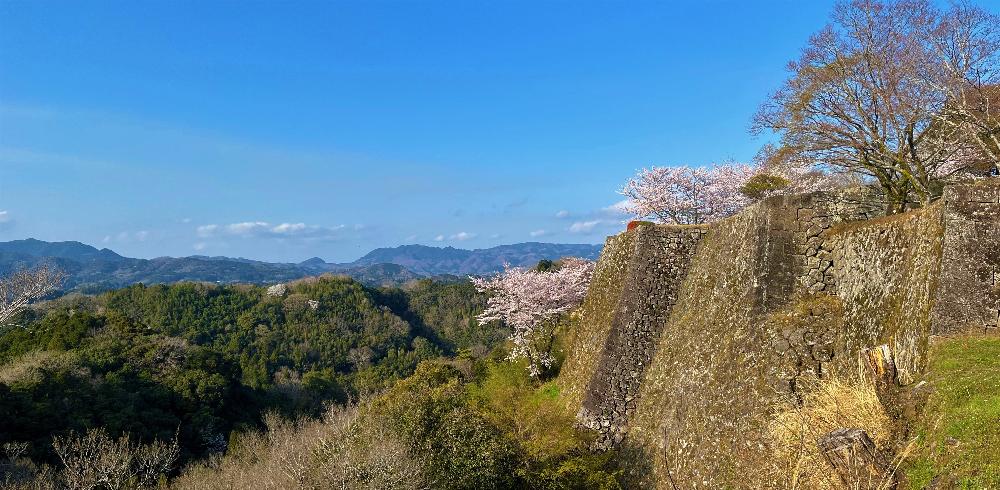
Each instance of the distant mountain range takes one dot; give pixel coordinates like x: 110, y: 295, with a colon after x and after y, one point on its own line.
x: 90, y: 269
x: 432, y: 261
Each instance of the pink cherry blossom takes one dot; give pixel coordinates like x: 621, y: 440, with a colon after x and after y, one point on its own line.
x: 528, y: 301
x: 688, y: 195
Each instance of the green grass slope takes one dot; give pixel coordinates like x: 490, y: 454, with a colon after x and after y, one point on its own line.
x: 958, y: 435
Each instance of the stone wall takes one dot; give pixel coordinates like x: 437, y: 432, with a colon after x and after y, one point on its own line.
x: 791, y: 287
x: 969, y: 289
x: 815, y: 214
x: 591, y: 323
x: 658, y: 263
x: 887, y: 270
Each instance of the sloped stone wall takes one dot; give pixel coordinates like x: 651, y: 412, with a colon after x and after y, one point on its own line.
x: 969, y: 290
x: 793, y: 286
x: 592, y: 322
x: 887, y: 273
x: 657, y: 265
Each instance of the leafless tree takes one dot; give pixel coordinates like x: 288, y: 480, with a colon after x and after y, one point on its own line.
x: 889, y: 90
x: 22, y: 286
x: 965, y: 48
x: 94, y: 460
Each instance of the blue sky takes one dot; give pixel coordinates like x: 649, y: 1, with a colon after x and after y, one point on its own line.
x: 285, y: 130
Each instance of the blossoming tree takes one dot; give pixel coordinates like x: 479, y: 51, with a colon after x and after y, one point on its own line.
x: 529, y: 301
x: 686, y: 195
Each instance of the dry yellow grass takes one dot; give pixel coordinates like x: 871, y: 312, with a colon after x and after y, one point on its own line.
x: 826, y: 406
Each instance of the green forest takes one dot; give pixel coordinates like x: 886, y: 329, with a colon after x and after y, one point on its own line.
x: 207, y: 368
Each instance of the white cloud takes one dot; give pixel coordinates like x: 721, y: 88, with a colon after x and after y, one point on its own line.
x: 289, y: 228
x: 537, y: 233
x: 206, y: 230
x: 617, y: 208
x: 562, y: 214
x: 263, y: 229
x: 462, y: 236
x: 6, y: 221
x: 584, y: 226
x: 411, y: 238
x: 127, y: 237
x: 439, y: 238
x: 246, y: 227
x: 495, y: 236
x: 186, y: 220
x: 199, y: 246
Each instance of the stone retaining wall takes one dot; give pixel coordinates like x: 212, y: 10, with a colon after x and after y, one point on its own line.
x: 969, y: 286
x: 689, y: 337
x: 656, y: 268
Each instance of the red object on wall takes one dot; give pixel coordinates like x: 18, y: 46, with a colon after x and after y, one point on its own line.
x: 633, y: 225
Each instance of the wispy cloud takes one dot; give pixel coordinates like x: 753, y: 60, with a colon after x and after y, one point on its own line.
x: 618, y: 208
x: 6, y: 220
x: 462, y: 236
x: 263, y: 229
x: 206, y: 230
x: 537, y: 233
x: 562, y: 214
x: 439, y: 238
x: 584, y: 226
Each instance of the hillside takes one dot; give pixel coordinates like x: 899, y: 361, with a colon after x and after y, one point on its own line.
x: 93, y: 270
x: 204, y: 360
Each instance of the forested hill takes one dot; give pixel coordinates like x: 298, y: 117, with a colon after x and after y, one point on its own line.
x: 93, y: 270
x: 202, y: 360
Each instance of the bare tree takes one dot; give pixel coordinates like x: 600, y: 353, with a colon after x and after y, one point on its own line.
x: 94, y: 460
x: 965, y: 47
x: 887, y: 90
x: 22, y: 286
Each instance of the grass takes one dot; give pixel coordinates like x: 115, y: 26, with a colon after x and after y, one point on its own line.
x: 958, y: 436
x: 827, y: 405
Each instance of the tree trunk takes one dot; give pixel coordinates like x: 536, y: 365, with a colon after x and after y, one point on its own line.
x: 882, y: 370
x: 857, y: 461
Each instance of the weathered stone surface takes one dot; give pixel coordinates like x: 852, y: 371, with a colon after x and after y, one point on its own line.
x: 969, y: 286
x: 658, y: 264
x: 688, y: 337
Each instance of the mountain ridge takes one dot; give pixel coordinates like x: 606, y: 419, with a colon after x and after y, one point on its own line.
x: 90, y: 269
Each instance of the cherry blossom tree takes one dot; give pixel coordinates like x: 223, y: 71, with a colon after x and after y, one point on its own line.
x: 687, y: 195
x: 529, y: 301
x: 22, y: 286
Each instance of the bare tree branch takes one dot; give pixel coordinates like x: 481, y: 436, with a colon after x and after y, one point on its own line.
x: 22, y: 286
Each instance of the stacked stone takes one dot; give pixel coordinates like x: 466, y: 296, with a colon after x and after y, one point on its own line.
x: 659, y: 264
x: 969, y: 286
x: 805, y: 343
x: 815, y: 214
x: 817, y: 261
